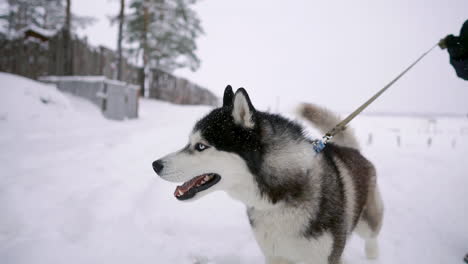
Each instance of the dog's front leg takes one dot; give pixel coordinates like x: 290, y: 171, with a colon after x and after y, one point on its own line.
x: 339, y: 261
x: 277, y: 260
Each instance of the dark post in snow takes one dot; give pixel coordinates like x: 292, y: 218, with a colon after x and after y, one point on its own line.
x: 119, y: 42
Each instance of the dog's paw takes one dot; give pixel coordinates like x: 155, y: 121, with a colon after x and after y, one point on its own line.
x: 372, y: 248
x: 200, y: 260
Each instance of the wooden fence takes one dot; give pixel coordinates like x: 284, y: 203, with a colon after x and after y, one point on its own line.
x: 67, y: 55
x: 59, y: 55
x: 24, y: 57
x: 167, y: 87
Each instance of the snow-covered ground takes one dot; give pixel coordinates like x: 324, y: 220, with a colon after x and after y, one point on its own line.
x: 77, y: 188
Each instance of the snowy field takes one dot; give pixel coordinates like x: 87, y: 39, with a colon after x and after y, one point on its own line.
x: 77, y: 188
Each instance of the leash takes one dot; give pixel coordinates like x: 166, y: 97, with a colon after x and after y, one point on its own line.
x: 319, y: 144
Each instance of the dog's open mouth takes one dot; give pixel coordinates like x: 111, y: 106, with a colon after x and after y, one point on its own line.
x: 195, y: 185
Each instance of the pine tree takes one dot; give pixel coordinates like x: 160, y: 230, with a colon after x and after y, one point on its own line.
x: 17, y: 14
x: 163, y: 33
x: 52, y: 14
x: 46, y: 14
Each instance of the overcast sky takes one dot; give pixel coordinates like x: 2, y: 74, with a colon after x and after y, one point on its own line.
x: 336, y: 53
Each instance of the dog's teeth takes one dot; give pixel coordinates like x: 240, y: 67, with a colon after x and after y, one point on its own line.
x: 180, y: 193
x: 206, y: 178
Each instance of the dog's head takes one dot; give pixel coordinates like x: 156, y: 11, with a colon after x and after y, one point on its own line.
x: 218, y: 152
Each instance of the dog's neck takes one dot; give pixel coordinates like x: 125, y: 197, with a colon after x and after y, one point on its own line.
x: 249, y: 195
x: 300, y: 160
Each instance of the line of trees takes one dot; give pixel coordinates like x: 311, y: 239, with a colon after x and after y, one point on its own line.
x: 46, y: 14
x: 156, y: 33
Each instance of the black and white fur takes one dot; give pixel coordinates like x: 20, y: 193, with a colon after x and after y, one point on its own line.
x: 302, y: 206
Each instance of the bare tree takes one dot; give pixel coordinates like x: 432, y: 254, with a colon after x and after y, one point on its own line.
x: 119, y: 41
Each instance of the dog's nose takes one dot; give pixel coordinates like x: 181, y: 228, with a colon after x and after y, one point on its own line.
x: 158, y: 166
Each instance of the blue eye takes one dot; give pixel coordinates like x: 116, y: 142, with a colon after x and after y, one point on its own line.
x: 200, y: 147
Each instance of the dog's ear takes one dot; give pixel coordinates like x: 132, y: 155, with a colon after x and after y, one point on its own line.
x: 243, y: 111
x: 228, y: 96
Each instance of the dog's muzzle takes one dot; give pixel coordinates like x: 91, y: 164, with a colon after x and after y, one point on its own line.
x: 191, y: 187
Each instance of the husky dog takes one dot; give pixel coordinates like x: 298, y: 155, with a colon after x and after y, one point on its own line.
x: 302, y: 205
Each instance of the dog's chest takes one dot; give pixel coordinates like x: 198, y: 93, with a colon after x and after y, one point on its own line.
x: 281, y: 233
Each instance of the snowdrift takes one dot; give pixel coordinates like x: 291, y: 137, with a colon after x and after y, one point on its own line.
x: 24, y: 99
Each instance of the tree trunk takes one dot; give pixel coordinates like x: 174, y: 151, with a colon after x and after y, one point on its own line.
x: 44, y: 21
x: 119, y: 42
x: 68, y: 16
x: 67, y: 42
x: 21, y: 19
x: 145, y: 47
x: 11, y: 18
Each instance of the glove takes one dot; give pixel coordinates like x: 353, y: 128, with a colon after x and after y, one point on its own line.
x: 449, y: 41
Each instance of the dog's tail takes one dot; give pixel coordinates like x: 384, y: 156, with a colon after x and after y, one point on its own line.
x: 324, y: 120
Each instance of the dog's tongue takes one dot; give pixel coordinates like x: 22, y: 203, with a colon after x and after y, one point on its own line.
x: 188, y: 185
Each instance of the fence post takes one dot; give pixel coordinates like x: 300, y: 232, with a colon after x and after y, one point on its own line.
x: 370, y: 139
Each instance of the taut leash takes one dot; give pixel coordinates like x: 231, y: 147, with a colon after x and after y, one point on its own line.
x: 319, y: 144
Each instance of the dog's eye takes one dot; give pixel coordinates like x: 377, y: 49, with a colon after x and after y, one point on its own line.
x: 200, y: 147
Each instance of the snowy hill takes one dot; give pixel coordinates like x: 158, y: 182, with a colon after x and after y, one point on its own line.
x: 23, y: 99
x: 77, y: 188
